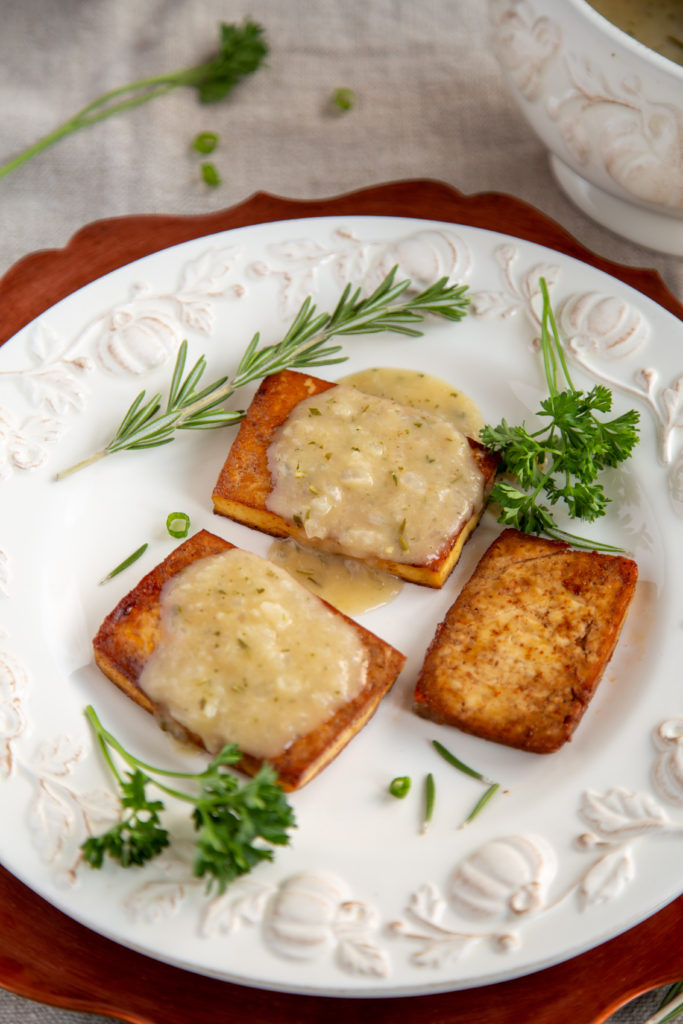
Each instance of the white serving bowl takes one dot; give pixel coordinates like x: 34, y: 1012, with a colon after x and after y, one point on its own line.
x: 609, y: 109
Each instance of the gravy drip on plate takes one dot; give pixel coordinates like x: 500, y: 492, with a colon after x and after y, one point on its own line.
x: 370, y: 477
x: 249, y: 656
x: 351, y: 586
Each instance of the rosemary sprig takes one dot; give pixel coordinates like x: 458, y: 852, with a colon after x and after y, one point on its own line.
x: 150, y: 423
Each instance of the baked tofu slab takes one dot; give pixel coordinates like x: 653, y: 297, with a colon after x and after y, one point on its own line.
x: 245, y: 482
x: 129, y: 635
x: 520, y: 654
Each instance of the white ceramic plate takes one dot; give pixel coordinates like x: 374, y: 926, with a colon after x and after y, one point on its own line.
x: 577, y: 846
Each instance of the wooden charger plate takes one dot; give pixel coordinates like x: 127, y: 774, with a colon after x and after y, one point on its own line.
x: 46, y: 956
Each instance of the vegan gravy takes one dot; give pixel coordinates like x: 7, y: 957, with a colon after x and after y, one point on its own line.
x: 371, y: 477
x: 656, y: 23
x: 248, y: 656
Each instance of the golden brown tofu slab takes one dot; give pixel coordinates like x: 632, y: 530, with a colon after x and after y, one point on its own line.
x: 520, y: 653
x: 245, y: 481
x: 131, y: 633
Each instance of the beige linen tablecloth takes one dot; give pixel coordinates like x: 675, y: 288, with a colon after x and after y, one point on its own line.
x: 430, y: 103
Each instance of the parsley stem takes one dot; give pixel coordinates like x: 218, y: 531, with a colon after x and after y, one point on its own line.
x: 107, y: 740
x: 549, y: 319
x: 236, y: 826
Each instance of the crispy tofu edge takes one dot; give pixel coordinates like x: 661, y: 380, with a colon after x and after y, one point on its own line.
x: 428, y: 699
x: 244, y: 482
x: 128, y: 635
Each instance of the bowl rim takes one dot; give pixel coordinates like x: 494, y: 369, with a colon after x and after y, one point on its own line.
x: 629, y: 42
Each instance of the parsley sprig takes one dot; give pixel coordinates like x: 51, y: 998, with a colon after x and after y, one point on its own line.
x: 150, y: 422
x: 237, y: 825
x: 561, y: 461
x: 242, y: 49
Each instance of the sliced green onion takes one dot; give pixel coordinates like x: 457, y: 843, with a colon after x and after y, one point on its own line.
x: 430, y: 797
x: 460, y: 765
x: 126, y: 562
x: 178, y: 524
x: 344, y: 98
x: 400, y: 786
x: 210, y: 174
x: 205, y: 142
x: 481, y: 803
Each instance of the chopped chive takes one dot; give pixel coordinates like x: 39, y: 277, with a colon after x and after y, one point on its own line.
x: 205, y: 142
x: 457, y: 763
x: 430, y: 796
x: 481, y: 803
x: 126, y: 562
x: 401, y: 536
x: 344, y: 98
x: 210, y: 174
x: 178, y: 524
x: 400, y: 786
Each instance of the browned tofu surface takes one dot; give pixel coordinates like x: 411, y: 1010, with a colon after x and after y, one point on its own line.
x: 519, y: 655
x: 129, y: 635
x: 245, y: 482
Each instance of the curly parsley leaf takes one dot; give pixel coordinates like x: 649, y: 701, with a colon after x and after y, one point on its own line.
x: 139, y: 836
x: 561, y: 462
x: 237, y: 824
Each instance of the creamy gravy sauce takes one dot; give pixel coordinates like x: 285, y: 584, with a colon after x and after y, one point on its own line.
x: 248, y: 656
x: 371, y: 477
x: 351, y: 586
x: 656, y: 23
x: 421, y: 391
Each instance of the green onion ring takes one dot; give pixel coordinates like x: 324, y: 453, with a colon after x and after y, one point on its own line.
x: 400, y: 786
x: 178, y: 524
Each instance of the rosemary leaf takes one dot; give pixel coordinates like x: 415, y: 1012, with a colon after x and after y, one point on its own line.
x: 457, y: 763
x: 429, y: 801
x: 481, y: 803
x: 492, y: 786
x: 125, y: 563
x: 305, y: 344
